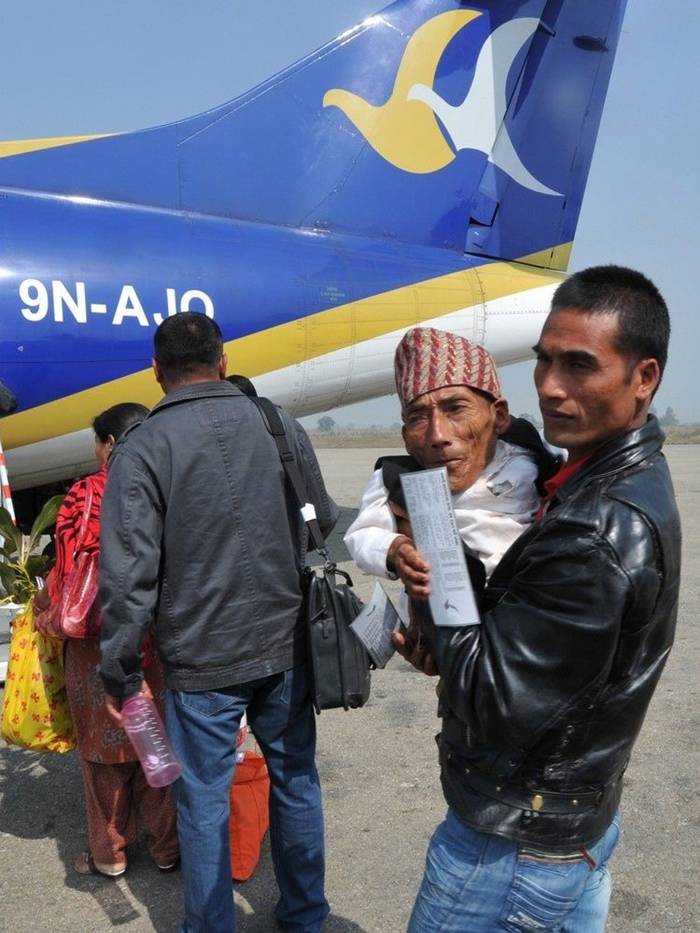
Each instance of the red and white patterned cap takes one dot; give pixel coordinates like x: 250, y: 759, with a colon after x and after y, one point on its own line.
x: 428, y: 359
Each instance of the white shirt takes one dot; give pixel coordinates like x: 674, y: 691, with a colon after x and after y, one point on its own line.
x: 491, y: 514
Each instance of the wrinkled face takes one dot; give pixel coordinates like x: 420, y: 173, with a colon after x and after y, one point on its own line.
x: 589, y: 392
x: 455, y: 427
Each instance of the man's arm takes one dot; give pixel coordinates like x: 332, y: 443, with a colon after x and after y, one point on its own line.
x: 547, y: 647
x: 131, y: 527
x: 374, y: 532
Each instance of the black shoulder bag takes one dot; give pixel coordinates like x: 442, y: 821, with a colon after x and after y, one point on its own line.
x: 338, y: 662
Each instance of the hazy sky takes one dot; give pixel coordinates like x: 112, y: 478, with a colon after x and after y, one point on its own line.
x: 81, y: 66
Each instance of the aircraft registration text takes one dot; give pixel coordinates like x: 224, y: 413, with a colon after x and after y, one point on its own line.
x: 60, y: 301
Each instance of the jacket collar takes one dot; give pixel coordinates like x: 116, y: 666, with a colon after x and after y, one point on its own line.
x: 194, y: 391
x: 619, y: 454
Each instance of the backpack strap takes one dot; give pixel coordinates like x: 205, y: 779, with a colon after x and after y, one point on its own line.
x: 275, y: 426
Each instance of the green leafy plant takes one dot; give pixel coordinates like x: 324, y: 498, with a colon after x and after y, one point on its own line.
x: 19, y: 564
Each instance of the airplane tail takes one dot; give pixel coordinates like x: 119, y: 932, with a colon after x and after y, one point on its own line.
x: 462, y: 127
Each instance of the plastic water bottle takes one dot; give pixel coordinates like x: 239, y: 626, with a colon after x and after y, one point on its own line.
x: 145, y: 729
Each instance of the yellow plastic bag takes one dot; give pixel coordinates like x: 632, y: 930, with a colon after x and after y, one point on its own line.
x: 35, y: 712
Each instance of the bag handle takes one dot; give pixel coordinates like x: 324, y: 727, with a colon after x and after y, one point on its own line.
x: 275, y: 426
x: 87, y: 508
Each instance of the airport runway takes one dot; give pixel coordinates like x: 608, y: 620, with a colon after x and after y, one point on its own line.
x: 382, y: 797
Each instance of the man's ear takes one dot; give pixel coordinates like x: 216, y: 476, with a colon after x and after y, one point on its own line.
x: 502, y: 422
x: 158, y: 372
x: 648, y: 375
x: 223, y: 366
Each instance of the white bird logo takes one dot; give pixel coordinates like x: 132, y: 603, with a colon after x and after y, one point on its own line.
x: 405, y: 131
x: 478, y: 120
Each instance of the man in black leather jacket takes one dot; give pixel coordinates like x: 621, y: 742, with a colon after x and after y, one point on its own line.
x: 201, y: 538
x: 542, y: 701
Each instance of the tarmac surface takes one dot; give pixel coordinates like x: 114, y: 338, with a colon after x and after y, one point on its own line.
x: 382, y: 797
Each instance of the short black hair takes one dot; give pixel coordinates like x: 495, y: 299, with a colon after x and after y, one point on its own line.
x: 644, y: 327
x: 186, y: 343
x: 117, y: 419
x: 243, y: 383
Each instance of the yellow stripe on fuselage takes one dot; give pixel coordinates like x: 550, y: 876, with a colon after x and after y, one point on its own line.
x: 22, y: 146
x: 555, y: 258
x: 296, y: 341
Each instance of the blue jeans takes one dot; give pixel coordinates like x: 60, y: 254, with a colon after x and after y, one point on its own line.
x: 478, y: 883
x: 203, y: 728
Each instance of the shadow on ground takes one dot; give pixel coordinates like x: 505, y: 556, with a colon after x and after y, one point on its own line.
x: 41, y: 798
x: 41, y: 801
x: 255, y: 902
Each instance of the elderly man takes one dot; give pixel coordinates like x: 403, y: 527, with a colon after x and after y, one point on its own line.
x: 543, y: 700
x: 454, y: 416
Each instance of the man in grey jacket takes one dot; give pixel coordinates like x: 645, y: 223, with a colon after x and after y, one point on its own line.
x: 201, y: 539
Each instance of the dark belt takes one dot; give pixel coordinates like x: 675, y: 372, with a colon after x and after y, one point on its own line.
x: 526, y: 799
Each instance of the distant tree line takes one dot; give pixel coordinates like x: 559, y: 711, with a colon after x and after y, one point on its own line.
x: 668, y: 419
x: 326, y: 424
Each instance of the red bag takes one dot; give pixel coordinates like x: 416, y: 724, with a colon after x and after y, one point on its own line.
x: 77, y: 614
x: 250, y: 814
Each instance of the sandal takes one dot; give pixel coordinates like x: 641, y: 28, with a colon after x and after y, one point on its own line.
x: 85, y: 865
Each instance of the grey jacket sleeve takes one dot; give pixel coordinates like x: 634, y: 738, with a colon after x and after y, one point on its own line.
x: 131, y: 528
x: 327, y: 511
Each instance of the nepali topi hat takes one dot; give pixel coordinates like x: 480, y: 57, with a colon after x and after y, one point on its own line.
x: 428, y: 359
